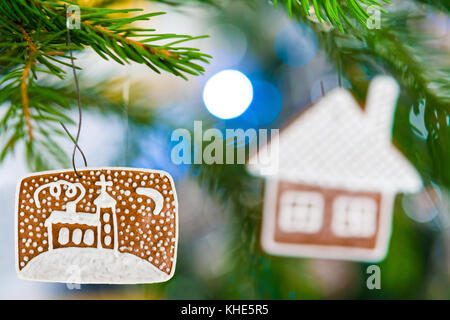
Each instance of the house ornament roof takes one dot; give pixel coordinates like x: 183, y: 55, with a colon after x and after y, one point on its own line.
x: 336, y: 144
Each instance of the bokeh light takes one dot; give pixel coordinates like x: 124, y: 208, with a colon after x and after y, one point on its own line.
x: 267, y: 102
x: 228, y: 94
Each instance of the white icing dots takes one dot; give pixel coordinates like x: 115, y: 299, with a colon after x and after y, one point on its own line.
x: 143, y: 221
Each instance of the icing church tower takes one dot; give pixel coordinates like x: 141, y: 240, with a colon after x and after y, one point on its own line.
x: 106, y: 212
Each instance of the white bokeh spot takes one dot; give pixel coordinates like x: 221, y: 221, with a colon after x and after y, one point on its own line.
x: 228, y: 94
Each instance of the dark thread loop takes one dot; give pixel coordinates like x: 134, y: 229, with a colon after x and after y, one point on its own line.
x: 80, y: 112
x: 322, y: 89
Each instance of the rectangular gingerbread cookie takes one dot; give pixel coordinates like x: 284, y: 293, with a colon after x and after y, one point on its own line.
x: 112, y: 225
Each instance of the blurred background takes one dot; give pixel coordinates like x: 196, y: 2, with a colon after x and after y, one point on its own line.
x: 219, y: 254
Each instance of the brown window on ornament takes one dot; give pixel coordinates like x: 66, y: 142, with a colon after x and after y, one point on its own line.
x: 301, y: 211
x: 354, y: 217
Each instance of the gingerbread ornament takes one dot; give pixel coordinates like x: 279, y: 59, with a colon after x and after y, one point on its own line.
x: 107, y: 225
x: 333, y: 194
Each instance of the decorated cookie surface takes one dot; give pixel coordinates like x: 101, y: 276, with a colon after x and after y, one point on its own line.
x: 112, y: 225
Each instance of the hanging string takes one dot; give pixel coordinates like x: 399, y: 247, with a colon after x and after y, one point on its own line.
x: 126, y: 101
x: 80, y: 112
x: 322, y: 89
x: 340, y: 71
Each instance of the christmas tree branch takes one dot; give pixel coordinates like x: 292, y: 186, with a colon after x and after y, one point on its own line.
x: 32, y: 50
x: 337, y: 12
x: 33, y: 47
x: 422, y: 69
x: 112, y: 37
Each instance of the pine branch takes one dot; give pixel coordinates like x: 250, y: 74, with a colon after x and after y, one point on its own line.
x: 110, y: 37
x: 336, y: 12
x: 423, y: 71
x: 54, y: 101
x: 33, y: 47
x: 32, y: 51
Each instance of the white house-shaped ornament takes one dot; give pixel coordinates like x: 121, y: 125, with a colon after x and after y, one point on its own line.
x: 338, y: 174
